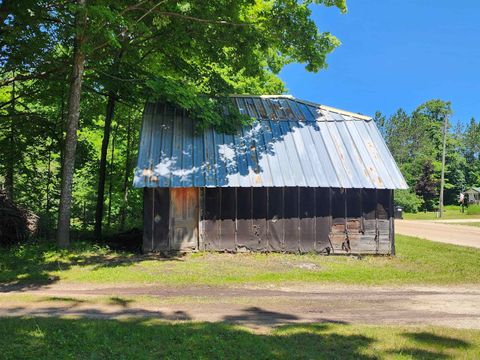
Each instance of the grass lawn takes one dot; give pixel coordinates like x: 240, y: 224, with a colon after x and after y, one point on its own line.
x: 417, y: 262
x: 64, y: 338
x: 450, y: 212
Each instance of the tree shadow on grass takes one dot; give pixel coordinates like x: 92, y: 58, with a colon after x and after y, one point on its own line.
x: 56, y: 338
x: 419, y: 354
x: 439, y: 342
x: 428, y: 338
x: 256, y: 316
x: 30, y: 266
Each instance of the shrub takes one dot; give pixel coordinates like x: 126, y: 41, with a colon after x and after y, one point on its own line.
x: 16, y: 223
x: 409, y: 201
x: 473, y: 210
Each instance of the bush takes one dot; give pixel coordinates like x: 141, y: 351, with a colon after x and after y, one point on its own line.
x: 16, y: 223
x: 473, y: 210
x: 409, y: 201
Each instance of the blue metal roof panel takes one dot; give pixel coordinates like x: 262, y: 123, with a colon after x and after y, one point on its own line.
x: 292, y: 143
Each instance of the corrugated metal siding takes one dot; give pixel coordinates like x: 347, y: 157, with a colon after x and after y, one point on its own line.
x: 292, y: 143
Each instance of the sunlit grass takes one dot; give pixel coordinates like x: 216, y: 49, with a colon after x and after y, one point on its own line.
x: 67, y: 338
x: 450, y: 212
x: 417, y: 262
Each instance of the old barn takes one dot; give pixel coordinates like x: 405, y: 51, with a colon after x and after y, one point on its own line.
x: 302, y: 177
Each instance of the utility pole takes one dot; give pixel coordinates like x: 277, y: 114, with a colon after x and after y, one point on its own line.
x: 442, y: 180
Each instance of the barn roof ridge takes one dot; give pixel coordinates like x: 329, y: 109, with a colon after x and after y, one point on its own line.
x: 306, y: 102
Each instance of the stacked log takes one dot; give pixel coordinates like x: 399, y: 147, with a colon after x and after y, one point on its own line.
x: 16, y: 223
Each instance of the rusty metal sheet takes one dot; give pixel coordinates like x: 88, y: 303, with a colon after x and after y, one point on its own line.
x: 307, y: 219
x: 259, y: 218
x: 211, y: 221
x: 323, y: 220
x: 183, y: 218
x: 245, y: 236
x: 148, y: 219
x: 275, y: 219
x: 228, y: 203
x: 291, y: 220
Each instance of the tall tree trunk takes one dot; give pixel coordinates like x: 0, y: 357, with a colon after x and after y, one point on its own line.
x: 10, y: 168
x: 47, y: 190
x: 103, y: 166
x: 103, y: 155
x: 70, y: 145
x: 123, y: 210
x: 110, y: 182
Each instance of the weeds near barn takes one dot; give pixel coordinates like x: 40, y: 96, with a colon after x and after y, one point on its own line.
x: 417, y: 262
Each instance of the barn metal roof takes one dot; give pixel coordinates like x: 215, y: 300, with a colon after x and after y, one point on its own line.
x: 291, y: 143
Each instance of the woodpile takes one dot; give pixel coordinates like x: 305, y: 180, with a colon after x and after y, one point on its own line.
x: 16, y: 223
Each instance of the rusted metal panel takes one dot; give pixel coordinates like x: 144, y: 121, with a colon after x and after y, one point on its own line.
x: 161, y: 233
x: 228, y: 208
x: 183, y: 218
x: 275, y: 219
x: 392, y: 223
x: 292, y: 143
x: 354, y: 220
x: 296, y: 220
x: 245, y: 237
x: 307, y: 219
x: 383, y: 205
x: 291, y: 220
x: 383, y: 221
x: 259, y: 218
x: 148, y: 219
x: 323, y: 220
x: 156, y: 220
x: 369, y: 204
x: 338, y: 236
x: 211, y: 221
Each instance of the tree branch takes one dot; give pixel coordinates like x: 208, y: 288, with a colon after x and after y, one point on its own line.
x: 202, y: 20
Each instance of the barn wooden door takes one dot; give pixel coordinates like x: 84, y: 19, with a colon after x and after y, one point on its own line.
x: 184, y: 218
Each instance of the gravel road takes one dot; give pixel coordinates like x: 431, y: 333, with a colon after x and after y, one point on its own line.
x: 439, y: 231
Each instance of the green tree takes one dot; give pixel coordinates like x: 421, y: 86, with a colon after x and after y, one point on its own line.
x: 191, y: 53
x: 426, y: 186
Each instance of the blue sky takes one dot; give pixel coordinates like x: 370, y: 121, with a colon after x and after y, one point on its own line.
x: 397, y: 53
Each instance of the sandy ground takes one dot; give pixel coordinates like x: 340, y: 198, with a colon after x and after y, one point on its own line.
x: 439, y: 231
x: 258, y: 308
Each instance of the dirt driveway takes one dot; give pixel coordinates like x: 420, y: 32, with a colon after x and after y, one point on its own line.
x: 258, y: 308
x: 440, y: 231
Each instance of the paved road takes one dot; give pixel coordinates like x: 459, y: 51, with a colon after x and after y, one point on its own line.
x: 439, y: 231
x: 258, y: 308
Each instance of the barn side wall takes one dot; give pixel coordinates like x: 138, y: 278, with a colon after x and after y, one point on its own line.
x: 298, y: 219
x: 290, y: 219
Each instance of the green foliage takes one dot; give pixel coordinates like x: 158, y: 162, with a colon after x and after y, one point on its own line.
x: 426, y: 186
x: 473, y: 210
x: 416, y: 139
x: 409, y: 201
x: 208, y: 111
x: 190, y: 53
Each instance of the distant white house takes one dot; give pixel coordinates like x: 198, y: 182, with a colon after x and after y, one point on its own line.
x: 472, y: 195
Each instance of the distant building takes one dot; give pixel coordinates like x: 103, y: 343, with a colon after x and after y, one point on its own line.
x: 302, y: 177
x: 472, y: 195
